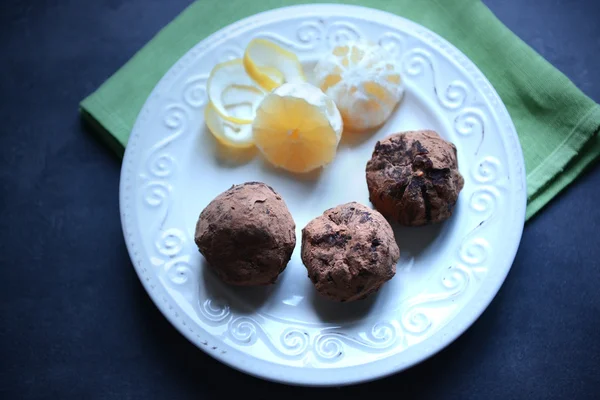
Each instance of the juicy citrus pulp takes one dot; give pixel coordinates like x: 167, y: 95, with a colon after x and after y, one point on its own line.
x: 297, y: 127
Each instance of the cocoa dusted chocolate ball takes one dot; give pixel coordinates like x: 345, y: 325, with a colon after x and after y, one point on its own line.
x: 349, y: 252
x: 413, y: 178
x: 246, y: 234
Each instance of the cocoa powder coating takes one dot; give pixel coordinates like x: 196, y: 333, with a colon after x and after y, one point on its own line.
x: 413, y: 178
x: 246, y: 234
x: 349, y: 252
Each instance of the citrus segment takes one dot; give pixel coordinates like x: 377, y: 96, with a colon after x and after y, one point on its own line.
x: 364, y: 82
x: 263, y: 59
x: 297, y: 127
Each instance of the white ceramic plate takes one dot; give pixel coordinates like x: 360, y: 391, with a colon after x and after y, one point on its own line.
x: 447, y: 274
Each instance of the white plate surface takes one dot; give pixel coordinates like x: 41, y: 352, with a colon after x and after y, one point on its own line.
x: 447, y: 274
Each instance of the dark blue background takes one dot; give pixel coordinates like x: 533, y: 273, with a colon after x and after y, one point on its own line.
x: 75, y: 321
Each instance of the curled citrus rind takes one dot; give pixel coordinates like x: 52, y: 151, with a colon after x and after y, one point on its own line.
x: 228, y: 84
x: 263, y: 57
x: 228, y: 133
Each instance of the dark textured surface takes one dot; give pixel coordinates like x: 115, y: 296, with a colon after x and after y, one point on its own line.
x: 74, y: 320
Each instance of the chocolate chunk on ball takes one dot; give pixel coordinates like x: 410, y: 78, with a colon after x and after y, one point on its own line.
x: 413, y: 178
x: 246, y: 234
x: 349, y: 252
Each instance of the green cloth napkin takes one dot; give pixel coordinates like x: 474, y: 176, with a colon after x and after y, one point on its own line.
x: 557, y: 124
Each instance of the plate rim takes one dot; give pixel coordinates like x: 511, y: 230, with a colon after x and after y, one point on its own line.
x: 267, y: 370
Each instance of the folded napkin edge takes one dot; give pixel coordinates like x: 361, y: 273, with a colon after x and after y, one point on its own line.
x: 585, y: 160
x: 105, y: 125
x: 560, y: 157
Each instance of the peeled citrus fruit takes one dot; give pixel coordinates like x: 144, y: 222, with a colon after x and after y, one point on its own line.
x: 363, y: 81
x: 270, y: 65
x: 297, y: 127
x: 228, y: 133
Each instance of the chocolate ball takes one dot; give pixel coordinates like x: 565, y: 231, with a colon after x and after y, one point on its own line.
x: 246, y: 234
x: 413, y: 178
x: 349, y: 252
